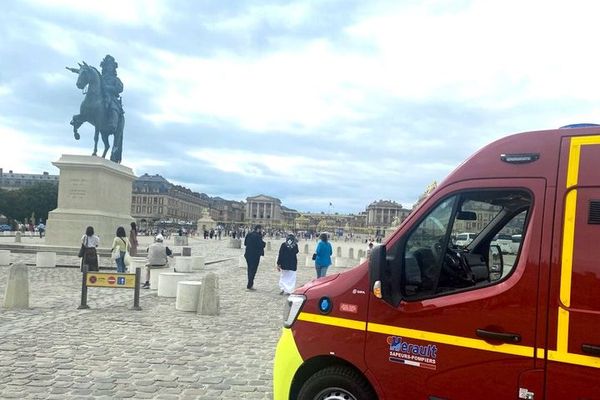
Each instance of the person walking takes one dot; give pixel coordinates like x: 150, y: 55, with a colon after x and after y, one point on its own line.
x: 89, y: 258
x: 133, y: 241
x: 323, y: 255
x: 287, y: 263
x: 121, y: 243
x: 255, y: 248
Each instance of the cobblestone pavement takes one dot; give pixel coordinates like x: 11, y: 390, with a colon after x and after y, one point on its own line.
x: 54, y: 351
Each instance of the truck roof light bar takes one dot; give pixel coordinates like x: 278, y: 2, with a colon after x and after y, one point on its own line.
x: 521, y: 158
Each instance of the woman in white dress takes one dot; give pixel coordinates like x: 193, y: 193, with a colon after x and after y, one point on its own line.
x: 287, y: 263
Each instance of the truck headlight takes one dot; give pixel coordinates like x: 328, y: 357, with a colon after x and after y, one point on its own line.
x: 292, y: 308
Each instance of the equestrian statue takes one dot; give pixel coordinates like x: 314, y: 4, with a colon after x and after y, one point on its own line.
x: 101, y: 106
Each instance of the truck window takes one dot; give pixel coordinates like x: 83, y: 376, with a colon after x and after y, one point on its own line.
x: 433, y: 263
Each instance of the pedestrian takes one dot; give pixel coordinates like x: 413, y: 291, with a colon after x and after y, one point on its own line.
x: 323, y: 255
x: 89, y: 257
x: 157, y: 257
x: 120, y: 244
x: 41, y: 229
x: 133, y: 241
x: 255, y: 248
x: 287, y: 263
x: 369, y: 249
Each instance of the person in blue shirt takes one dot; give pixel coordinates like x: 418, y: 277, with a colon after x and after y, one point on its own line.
x: 323, y: 255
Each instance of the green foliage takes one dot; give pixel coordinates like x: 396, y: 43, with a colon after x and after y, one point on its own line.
x: 19, y: 205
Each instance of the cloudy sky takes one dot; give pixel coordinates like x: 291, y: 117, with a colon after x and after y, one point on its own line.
x: 311, y: 101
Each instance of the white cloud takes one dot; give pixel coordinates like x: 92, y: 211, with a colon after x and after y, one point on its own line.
x: 5, y: 90
x: 498, y: 53
x: 149, y: 13
x: 288, y: 15
x: 27, y: 154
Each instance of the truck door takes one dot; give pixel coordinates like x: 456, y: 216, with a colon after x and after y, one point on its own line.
x: 466, y: 325
x: 573, y: 356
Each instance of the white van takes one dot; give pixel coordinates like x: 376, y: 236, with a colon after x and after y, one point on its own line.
x: 463, y: 239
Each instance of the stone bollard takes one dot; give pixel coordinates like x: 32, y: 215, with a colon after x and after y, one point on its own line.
x: 184, y: 264
x: 45, y: 259
x: 186, y: 251
x: 167, y: 283
x: 235, y: 243
x: 309, y: 261
x: 136, y: 262
x: 18, y: 237
x: 188, y: 293
x: 268, y: 246
x: 17, y: 287
x: 208, y: 302
x: 180, y: 240
x: 306, y: 248
x: 4, y: 257
x: 339, y: 252
x: 351, y: 253
x: 197, y: 262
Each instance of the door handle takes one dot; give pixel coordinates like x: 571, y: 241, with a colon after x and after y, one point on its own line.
x: 501, y: 336
x: 591, y: 349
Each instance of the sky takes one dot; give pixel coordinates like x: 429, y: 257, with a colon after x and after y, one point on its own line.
x: 315, y: 102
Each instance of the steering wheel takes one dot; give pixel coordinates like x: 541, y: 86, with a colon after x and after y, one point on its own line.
x: 455, y: 267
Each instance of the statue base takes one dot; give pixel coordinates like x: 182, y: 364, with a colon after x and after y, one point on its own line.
x: 93, y: 192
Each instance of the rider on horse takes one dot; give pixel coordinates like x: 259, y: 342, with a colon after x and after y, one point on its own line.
x: 112, y: 87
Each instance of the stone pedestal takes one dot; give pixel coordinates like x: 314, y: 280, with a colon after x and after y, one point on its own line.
x: 197, y: 262
x: 184, y: 264
x: 4, y: 257
x: 92, y: 191
x: 138, y: 262
x: 17, y: 287
x: 188, y: 293
x: 235, y: 243
x: 167, y: 283
x: 208, y: 301
x: 154, y: 274
x: 180, y: 240
x: 45, y: 259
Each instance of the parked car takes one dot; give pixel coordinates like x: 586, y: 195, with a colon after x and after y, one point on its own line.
x: 5, y: 228
x: 505, y: 243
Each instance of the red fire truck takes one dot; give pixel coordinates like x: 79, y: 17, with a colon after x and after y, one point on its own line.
x: 426, y: 318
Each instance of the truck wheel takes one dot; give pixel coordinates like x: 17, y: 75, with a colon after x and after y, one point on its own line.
x: 336, y: 383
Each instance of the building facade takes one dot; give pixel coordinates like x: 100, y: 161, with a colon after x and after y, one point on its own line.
x: 155, y: 200
x: 384, y: 213
x: 13, y: 181
x: 262, y: 209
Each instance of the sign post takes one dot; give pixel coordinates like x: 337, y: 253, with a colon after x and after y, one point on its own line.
x: 111, y: 280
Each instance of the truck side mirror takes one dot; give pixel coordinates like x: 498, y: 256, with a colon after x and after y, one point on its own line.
x: 496, y: 263
x: 384, y: 278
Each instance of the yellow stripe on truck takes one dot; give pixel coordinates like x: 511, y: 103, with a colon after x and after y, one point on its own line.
x: 333, y: 321
x: 287, y: 361
x: 452, y: 340
x: 566, y: 272
x: 525, y: 351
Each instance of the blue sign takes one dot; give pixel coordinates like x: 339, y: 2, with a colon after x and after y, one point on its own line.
x: 121, y: 280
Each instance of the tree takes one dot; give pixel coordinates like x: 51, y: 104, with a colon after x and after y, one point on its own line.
x: 19, y: 205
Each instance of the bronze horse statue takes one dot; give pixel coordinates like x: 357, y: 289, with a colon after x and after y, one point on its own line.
x: 93, y: 111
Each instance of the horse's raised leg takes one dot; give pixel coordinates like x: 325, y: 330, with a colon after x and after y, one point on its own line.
x: 96, y: 132
x: 76, y: 121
